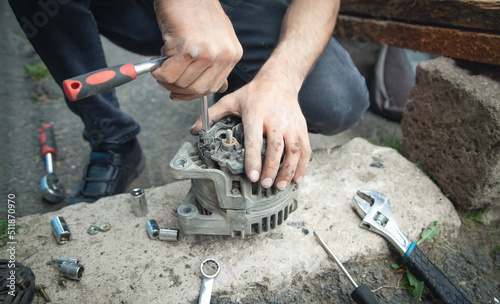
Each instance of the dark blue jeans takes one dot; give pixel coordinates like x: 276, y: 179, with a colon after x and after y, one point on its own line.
x: 65, y: 33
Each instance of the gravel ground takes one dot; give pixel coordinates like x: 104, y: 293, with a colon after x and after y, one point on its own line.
x: 472, y: 261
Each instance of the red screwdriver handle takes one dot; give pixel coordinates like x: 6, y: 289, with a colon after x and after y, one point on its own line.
x: 98, y: 81
x: 48, y: 140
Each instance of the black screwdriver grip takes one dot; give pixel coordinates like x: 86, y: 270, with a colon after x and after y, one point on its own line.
x: 363, y: 295
x: 434, y: 279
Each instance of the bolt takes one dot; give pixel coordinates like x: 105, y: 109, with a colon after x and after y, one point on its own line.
x: 62, y: 283
x: 41, y: 291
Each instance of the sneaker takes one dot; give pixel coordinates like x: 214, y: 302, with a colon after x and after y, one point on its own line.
x: 109, y: 172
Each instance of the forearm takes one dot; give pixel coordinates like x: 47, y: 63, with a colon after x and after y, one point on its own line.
x: 306, y: 29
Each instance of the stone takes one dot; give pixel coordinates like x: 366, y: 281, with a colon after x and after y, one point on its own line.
x: 123, y: 265
x: 451, y: 127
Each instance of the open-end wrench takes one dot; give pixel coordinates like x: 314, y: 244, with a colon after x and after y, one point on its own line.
x: 105, y: 79
x: 209, y: 269
x: 375, y: 210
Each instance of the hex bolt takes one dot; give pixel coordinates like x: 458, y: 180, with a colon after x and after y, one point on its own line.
x: 41, y: 291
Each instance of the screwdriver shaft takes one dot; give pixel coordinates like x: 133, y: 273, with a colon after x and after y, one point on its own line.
x: 323, y: 244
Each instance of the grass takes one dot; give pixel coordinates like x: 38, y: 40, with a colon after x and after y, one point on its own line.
x: 389, y: 141
x: 37, y: 71
x: 474, y: 216
x: 4, y: 232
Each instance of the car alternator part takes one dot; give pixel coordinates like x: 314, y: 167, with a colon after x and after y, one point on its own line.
x: 60, y: 230
x: 222, y: 200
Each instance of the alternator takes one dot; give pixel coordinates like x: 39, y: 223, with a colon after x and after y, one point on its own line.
x: 222, y: 200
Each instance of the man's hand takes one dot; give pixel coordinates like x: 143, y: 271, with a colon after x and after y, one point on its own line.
x: 268, y: 107
x: 202, y: 46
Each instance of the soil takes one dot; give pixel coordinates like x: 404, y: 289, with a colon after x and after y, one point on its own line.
x: 472, y: 261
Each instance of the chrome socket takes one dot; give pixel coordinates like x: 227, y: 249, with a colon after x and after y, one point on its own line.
x: 62, y: 260
x: 168, y: 234
x: 60, y: 230
x: 153, y: 229
x: 72, y: 271
x: 139, y: 202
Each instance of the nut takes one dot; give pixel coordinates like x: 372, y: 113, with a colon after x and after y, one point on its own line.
x: 105, y: 227
x: 93, y: 229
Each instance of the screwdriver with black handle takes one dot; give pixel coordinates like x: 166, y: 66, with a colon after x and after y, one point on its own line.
x: 102, y: 80
x: 362, y: 293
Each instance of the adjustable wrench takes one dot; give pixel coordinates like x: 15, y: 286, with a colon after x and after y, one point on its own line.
x: 375, y: 210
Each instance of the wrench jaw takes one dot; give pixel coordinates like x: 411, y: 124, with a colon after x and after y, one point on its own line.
x: 375, y: 210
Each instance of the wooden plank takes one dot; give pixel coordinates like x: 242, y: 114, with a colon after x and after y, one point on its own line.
x: 478, y: 14
x: 470, y: 45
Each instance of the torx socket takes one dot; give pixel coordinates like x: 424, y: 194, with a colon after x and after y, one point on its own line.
x: 168, y: 234
x: 60, y: 230
x: 139, y: 202
x: 73, y: 271
x: 153, y: 229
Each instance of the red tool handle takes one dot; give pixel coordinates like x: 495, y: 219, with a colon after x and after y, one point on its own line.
x: 48, y: 140
x: 98, y: 81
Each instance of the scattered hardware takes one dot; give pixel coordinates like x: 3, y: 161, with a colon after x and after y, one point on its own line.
x: 362, y: 293
x: 62, y: 283
x: 209, y: 270
x: 51, y: 187
x: 105, y: 227
x: 168, y: 234
x: 40, y: 289
x: 93, y: 230
x: 139, y: 202
x: 375, y: 210
x: 162, y: 234
x: 153, y: 229
x: 60, y: 230
x: 72, y: 271
x: 62, y: 260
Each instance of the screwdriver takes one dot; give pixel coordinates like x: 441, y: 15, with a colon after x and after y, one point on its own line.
x: 361, y: 293
x: 102, y: 80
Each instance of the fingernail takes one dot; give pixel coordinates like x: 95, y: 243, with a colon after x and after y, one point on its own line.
x: 254, y: 176
x: 281, y: 185
x: 267, y: 183
x: 299, y: 180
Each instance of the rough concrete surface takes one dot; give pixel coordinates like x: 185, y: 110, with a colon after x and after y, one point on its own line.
x: 124, y: 265
x: 451, y: 126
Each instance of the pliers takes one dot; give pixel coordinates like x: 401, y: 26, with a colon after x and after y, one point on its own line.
x: 375, y: 210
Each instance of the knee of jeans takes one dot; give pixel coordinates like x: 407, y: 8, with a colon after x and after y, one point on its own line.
x: 338, y: 107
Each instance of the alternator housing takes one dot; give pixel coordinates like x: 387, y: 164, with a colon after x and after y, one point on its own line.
x: 222, y: 200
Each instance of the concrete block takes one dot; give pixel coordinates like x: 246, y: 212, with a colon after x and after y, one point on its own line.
x: 451, y: 127
x: 124, y: 266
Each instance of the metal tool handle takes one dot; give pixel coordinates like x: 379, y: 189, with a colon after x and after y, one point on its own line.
x: 433, y: 278
x: 206, y: 291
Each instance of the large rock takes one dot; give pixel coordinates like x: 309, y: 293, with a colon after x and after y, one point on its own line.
x: 124, y: 266
x: 451, y: 127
